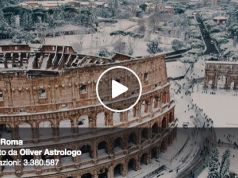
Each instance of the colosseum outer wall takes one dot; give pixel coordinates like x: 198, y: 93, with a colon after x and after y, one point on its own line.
x: 21, y: 92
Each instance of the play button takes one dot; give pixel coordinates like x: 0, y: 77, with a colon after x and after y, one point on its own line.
x: 118, y: 89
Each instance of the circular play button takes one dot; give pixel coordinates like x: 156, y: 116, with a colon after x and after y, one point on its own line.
x: 118, y: 89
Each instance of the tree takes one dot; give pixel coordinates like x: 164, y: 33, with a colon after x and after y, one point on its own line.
x: 177, y: 45
x: 153, y: 47
x: 225, y: 164
x: 213, y: 164
x: 103, y: 53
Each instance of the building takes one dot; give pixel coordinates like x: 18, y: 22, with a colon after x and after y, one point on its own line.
x: 52, y: 88
x: 220, y: 20
x: 221, y: 74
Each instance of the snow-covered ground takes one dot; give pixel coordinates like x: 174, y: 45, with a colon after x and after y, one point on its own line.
x: 176, y: 69
x: 221, y: 107
x: 92, y: 43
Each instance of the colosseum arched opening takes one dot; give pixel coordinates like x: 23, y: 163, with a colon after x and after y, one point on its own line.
x: 103, y: 173
x: 155, y: 129
x: 83, y: 121
x: 45, y: 157
x: 87, y: 175
x: 156, y: 101
x: 65, y: 127
x: 130, y: 115
x: 221, y: 82
x: 144, y: 134
x: 118, y: 144
x: 164, y: 123
x: 45, y: 129
x: 102, y: 148
x: 25, y: 131
x: 86, y: 152
x: 171, y: 117
x: 7, y: 168
x: 101, y: 119
x: 118, y: 170
x: 116, y: 118
x: 5, y: 131
x: 66, y: 159
x: 131, y: 165
x: 163, y: 145
x: 154, y: 153
x: 232, y: 85
x: 132, y: 139
x: 143, y: 108
x: 144, y: 159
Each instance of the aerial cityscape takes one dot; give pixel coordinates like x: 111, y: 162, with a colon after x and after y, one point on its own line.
x: 62, y: 114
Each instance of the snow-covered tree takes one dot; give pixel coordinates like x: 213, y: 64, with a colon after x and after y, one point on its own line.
x: 225, y: 165
x: 213, y: 164
x: 104, y: 53
x: 177, y: 45
x: 153, y: 47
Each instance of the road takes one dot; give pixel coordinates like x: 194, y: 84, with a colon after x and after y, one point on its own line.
x: 210, y: 44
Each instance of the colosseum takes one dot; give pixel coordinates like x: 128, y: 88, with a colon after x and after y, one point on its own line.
x: 50, y: 93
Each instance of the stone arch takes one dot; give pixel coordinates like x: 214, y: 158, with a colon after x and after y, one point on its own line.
x: 118, y: 144
x: 164, y: 123
x: 130, y: 115
x: 102, y: 173
x: 171, y: 117
x: 102, y: 148
x: 45, y: 129
x: 164, y: 96
x: 163, y: 145
x: 44, y: 157
x: 154, y: 153
x: 116, y: 117
x: 25, y: 131
x: 156, y: 101
x: 144, y: 159
x: 155, y: 129
x: 143, y: 107
x: 87, y: 175
x: 221, y: 81
x: 83, y: 121
x: 6, y: 131
x: 132, y: 139
x: 65, y: 127
x: 100, y: 119
x: 232, y: 85
x: 131, y: 165
x: 118, y: 170
x: 86, y: 152
x: 66, y: 159
x: 144, y: 134
x: 6, y: 157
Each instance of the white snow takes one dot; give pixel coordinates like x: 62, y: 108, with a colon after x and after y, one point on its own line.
x: 176, y: 69
x: 221, y: 107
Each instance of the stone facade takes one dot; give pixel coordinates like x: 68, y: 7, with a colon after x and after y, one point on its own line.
x: 60, y: 95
